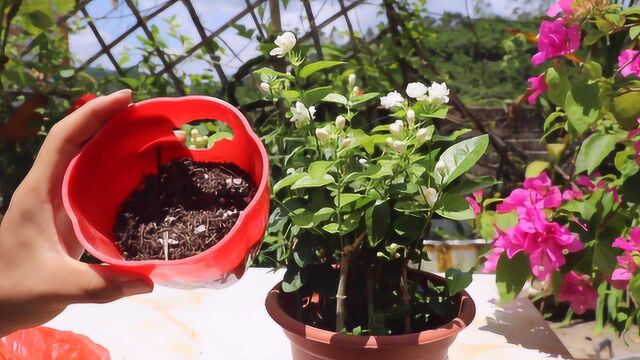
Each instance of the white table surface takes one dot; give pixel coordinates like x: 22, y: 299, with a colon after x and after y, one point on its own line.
x: 233, y: 324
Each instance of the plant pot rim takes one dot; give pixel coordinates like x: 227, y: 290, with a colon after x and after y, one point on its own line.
x: 465, y: 316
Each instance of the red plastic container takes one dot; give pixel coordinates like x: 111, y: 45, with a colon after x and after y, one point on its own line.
x: 127, y: 148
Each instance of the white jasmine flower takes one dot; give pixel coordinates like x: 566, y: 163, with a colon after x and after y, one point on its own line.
x: 264, y: 86
x: 391, y: 100
x: 396, y: 128
x: 428, y: 193
x: 411, y: 117
x: 323, y: 134
x: 340, y: 122
x: 301, y: 115
x: 399, y: 146
x: 417, y: 90
x: 362, y: 161
x: 284, y: 42
x: 422, y: 134
x: 438, y: 92
x: 351, y: 80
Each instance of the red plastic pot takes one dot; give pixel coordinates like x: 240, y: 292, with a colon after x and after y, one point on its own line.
x: 310, y: 343
x: 129, y: 147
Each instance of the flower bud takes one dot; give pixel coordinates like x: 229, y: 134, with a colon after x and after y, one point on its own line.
x: 441, y: 168
x: 340, y: 122
x: 411, y: 117
x: 396, y: 128
x: 323, y: 134
x: 389, y: 141
x: 265, y: 87
x: 399, y: 146
x: 345, y: 142
x: 352, y: 80
x: 430, y: 195
x: 362, y: 161
x: 422, y: 135
x: 195, y: 132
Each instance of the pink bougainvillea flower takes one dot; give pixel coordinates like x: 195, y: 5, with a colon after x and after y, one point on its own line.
x: 592, y: 185
x: 577, y: 289
x: 629, y: 63
x: 475, y: 200
x: 636, y: 146
x: 573, y: 193
x: 556, y: 39
x: 538, y: 86
x: 560, y: 6
x: 545, y: 243
x: 536, y: 192
x: 491, y: 260
x: 627, y: 265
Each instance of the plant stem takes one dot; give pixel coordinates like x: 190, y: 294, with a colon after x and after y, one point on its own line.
x: 341, y: 294
x: 404, y: 295
x: 370, y: 307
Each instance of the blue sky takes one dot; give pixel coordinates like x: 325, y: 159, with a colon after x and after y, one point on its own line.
x: 112, y: 21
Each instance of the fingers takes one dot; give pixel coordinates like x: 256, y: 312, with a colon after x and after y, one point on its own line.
x: 85, y: 283
x: 67, y: 136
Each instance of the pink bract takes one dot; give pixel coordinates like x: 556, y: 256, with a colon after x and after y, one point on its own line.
x: 578, y: 291
x: 629, y: 63
x: 556, y: 39
x: 627, y: 265
x: 537, y: 192
x: 560, y: 6
x: 538, y: 86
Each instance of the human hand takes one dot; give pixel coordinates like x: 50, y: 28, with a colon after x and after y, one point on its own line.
x: 39, y: 273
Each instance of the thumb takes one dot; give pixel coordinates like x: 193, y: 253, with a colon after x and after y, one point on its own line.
x: 87, y: 283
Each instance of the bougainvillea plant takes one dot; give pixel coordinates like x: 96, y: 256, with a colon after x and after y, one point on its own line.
x: 353, y: 200
x: 572, y: 229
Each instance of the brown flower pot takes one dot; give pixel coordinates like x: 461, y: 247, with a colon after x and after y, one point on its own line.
x: 309, y: 343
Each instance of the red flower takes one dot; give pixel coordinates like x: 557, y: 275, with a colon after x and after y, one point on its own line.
x: 81, y: 101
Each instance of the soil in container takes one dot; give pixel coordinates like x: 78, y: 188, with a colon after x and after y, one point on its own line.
x: 183, y: 210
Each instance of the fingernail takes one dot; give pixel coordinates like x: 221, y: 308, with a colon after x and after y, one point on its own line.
x: 136, y: 287
x: 123, y: 91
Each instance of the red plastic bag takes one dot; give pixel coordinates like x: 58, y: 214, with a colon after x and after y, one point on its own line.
x: 129, y: 147
x: 43, y: 343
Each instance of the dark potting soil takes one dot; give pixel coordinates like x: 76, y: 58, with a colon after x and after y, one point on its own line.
x: 182, y: 211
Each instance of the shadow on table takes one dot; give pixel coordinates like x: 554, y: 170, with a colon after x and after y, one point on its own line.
x: 518, y: 323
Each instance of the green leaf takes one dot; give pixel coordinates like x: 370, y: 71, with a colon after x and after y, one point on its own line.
x: 67, y: 73
x: 535, y: 168
x: 551, y: 119
x: 455, y: 207
x: 604, y: 258
x: 332, y: 228
x: 634, y: 32
x: 130, y: 82
x: 634, y: 287
x: 359, y: 99
x: 213, y: 138
x: 243, y: 31
x: 318, y: 169
x: 457, y: 280
x: 467, y: 186
x: 593, y: 150
x: 558, y: 86
x: 315, y: 95
x: 312, y: 68
x: 287, y: 181
x: 626, y: 109
x: 40, y: 19
x: 582, y: 105
x: 274, y: 73
x: 377, y: 218
x: 460, y: 157
x: 593, y: 36
x: 292, y: 279
x: 335, y: 98
x: 308, y: 181
x: 511, y: 275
